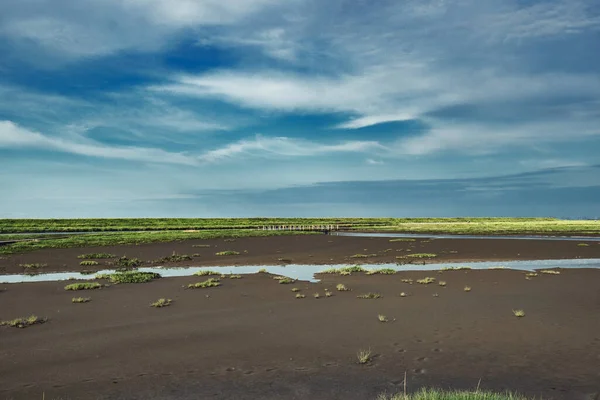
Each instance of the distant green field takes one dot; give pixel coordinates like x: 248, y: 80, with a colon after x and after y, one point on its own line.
x: 160, y: 224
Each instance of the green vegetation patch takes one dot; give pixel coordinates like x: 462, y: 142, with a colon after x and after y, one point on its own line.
x: 227, y: 253
x: 370, y: 296
x: 363, y: 255
x: 33, y: 266
x: 133, y: 277
x: 435, y: 394
x: 457, y: 268
x: 23, y: 322
x: 125, y: 262
x: 382, y: 271
x: 207, y: 273
x: 96, y: 256
x: 426, y: 281
x: 175, y: 258
x: 421, y: 255
x: 81, y: 299
x: 83, y: 286
x: 88, y: 263
x: 161, y: 303
x: 211, y: 282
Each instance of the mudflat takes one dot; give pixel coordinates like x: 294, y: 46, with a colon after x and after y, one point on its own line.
x: 309, y: 249
x: 251, y: 338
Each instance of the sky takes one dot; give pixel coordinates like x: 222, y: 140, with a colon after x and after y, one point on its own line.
x: 241, y: 108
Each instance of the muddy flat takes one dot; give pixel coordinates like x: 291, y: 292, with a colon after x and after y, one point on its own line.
x: 311, y: 249
x: 251, y: 338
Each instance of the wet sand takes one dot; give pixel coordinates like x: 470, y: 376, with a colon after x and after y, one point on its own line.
x: 252, y: 339
x: 310, y: 249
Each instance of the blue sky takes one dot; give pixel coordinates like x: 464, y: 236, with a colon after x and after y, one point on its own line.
x: 215, y: 108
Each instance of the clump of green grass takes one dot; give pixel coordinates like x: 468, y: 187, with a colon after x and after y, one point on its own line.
x: 175, y: 258
x: 461, y: 268
x: 402, y: 240
x: 207, y: 273
x: 341, y: 287
x: 518, y: 313
x: 88, y: 263
x: 409, y: 281
x: 354, y: 268
x: 364, y: 356
x: 81, y: 299
x: 126, y: 262
x: 286, y: 281
x: 133, y: 277
x: 531, y: 274
x: 328, y: 293
x: 422, y: 255
x: 211, y: 282
x: 227, y: 253
x: 95, y: 256
x: 363, y: 255
x: 550, y: 272
x: 295, y: 289
x: 383, y: 271
x: 382, y: 318
x: 300, y: 296
x: 161, y: 303
x: 330, y: 271
x: 83, y: 286
x: 201, y: 245
x: 262, y: 271
x: 582, y: 244
x: 235, y: 276
x: 442, y: 283
x: 426, y: 280
x: 317, y: 296
x: 33, y: 266
x: 435, y: 394
x: 23, y: 322
x: 369, y: 295
x: 467, y: 288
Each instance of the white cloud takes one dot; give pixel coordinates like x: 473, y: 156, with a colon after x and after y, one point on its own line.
x: 14, y: 137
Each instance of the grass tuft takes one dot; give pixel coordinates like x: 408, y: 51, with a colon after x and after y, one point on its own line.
x: 317, y: 296
x: 133, y: 277
x: 442, y: 283
x: 300, y: 296
x: 81, y: 299
x: 464, y: 267
x: 175, y: 258
x: 227, y: 253
x: 518, y: 313
x: 286, y: 281
x: 467, y: 288
x: 363, y: 255
x: 402, y: 294
x: 402, y: 240
x: 33, y: 266
x: 295, y: 289
x: 341, y: 287
x: 426, y: 281
x: 435, y: 394
x: 83, y: 286
x: 95, y: 256
x: 582, y: 244
x: 88, y: 263
x: 328, y: 293
x: 211, y: 282
x: 550, y: 272
x: 382, y: 318
x: 369, y: 295
x: 125, y: 262
x: 364, y: 356
x: 207, y: 273
x: 161, y: 303
x: 422, y: 255
x: 23, y: 322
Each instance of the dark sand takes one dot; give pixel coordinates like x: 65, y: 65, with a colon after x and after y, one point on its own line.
x: 310, y: 249
x: 252, y: 339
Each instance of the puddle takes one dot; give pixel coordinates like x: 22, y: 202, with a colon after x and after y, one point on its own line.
x: 306, y: 272
x: 444, y: 236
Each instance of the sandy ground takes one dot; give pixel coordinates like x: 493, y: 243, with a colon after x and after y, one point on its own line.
x: 252, y: 339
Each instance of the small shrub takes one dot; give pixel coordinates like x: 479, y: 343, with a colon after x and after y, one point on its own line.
x: 133, y: 277
x: 33, y: 266
x: 300, y: 296
x: 364, y: 356
x: 23, y: 322
x: 354, y: 268
x: 96, y: 256
x: 550, y: 272
x: 227, y: 253
x: 426, y: 281
x: 467, y: 288
x: 262, y: 271
x: 518, y: 313
x: 207, y: 273
x: 88, y: 263
x: 161, y: 303
x: 382, y: 318
x: 422, y: 255
x: 81, y: 299
x: 83, y: 286
x: 369, y: 295
x: 341, y: 287
x: 211, y: 282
